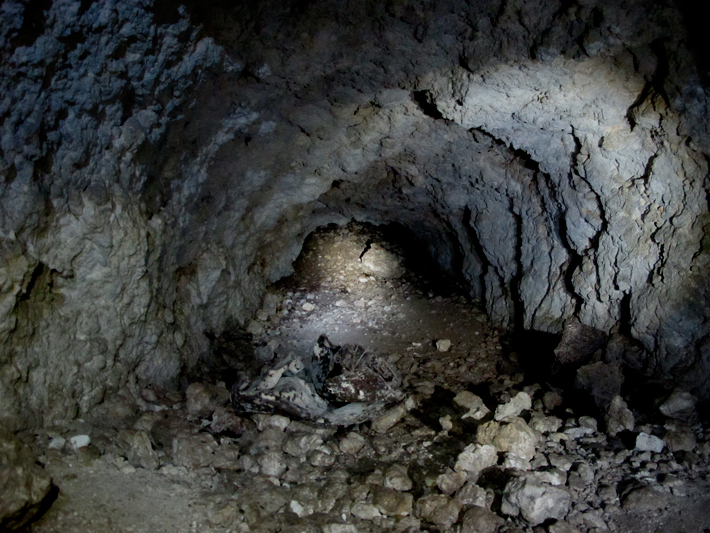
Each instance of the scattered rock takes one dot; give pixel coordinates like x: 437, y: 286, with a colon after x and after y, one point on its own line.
x: 438, y: 509
x: 24, y: 485
x: 578, y: 343
x: 382, y: 263
x: 515, y: 437
x: 651, y: 443
x: 397, y: 478
x: 678, y: 440
x: 389, y: 418
x: 443, y: 345
x: 643, y: 499
x: 519, y: 403
x: 618, y: 417
x: 139, y: 449
x: 450, y: 481
x: 352, y: 443
x: 202, y: 399
x: 193, y: 451
x: 79, y: 441
x: 535, y: 501
x: 391, y: 502
x: 680, y: 405
x: 475, y: 458
x: 476, y: 408
x: 480, y: 520
x: 471, y: 494
x: 601, y: 380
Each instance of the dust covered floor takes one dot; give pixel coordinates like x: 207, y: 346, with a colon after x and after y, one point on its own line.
x: 474, y: 447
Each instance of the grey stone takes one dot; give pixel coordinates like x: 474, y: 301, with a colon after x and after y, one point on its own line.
x: 391, y: 502
x: 535, y: 501
x: 480, y: 520
x: 680, y: 404
x: 619, y: 417
x: 601, y: 380
x: 352, y: 443
x: 438, y: 509
x: 651, y: 443
x: 397, y: 478
x: 450, y: 481
x: 23, y: 484
x: 382, y: 263
x: 475, y: 458
x: 578, y: 343
x: 139, y: 449
x: 644, y: 499
x: 203, y: 399
x: 471, y: 494
x: 519, y: 403
x: 515, y: 437
x: 476, y: 408
x: 193, y: 451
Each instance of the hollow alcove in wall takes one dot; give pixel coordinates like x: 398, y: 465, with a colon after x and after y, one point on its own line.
x: 162, y: 164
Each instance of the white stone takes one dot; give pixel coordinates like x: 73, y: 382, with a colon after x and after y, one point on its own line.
x: 443, y: 345
x: 57, y: 443
x: 79, y: 441
x: 352, y: 443
x: 519, y: 403
x: 535, y: 501
x: 308, y: 306
x: 476, y: 457
x: 476, y: 408
x: 650, y: 443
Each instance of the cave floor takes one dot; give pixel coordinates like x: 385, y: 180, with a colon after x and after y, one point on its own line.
x: 170, y: 462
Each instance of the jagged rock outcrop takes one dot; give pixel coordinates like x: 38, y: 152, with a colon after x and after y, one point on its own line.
x: 160, y: 164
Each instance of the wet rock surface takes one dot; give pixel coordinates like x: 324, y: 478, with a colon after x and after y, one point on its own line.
x: 425, y: 464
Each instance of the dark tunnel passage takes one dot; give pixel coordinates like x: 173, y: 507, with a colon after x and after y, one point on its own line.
x: 337, y: 267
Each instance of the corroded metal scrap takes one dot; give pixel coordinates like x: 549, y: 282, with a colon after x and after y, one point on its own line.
x: 340, y: 385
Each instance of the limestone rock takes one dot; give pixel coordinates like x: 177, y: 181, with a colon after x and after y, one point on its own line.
x: 519, y: 403
x: 476, y: 408
x: 535, y: 501
x: 480, y: 520
x: 438, y: 509
x: 139, y: 449
x: 578, y: 343
x: 618, y: 417
x: 475, y: 458
x: 391, y: 502
x: 651, y: 443
x: 601, y: 380
x: 680, y: 404
x: 24, y: 485
x: 397, y: 478
x: 379, y: 262
x: 515, y: 436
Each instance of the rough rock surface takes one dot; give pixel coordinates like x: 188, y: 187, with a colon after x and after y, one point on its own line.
x: 23, y: 484
x: 160, y: 164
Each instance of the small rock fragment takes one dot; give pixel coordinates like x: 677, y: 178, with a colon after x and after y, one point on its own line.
x: 471, y: 494
x: 438, y: 509
x: 443, y: 345
x: 139, y: 450
x: 619, y: 417
x: 601, y: 380
x: 389, y: 418
x: 475, y: 458
x: 535, y: 501
x: 480, y: 520
x: 308, y: 306
x: 519, y: 403
x: 445, y: 422
x: 352, y: 443
x: 651, y: 443
x: 450, y: 481
x: 391, y: 502
x: 680, y: 404
x: 644, y: 498
x: 79, y: 441
x: 397, y: 478
x: 476, y: 408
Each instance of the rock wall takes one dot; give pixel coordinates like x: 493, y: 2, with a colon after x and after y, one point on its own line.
x: 161, y: 163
